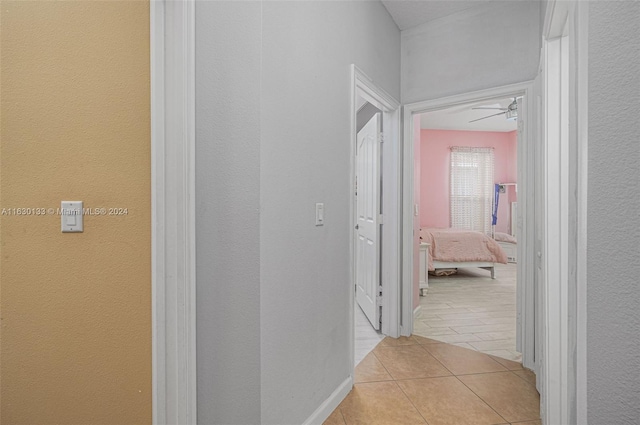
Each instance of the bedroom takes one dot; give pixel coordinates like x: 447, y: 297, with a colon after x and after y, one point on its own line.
x: 465, y: 156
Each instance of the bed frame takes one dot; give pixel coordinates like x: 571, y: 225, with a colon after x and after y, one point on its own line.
x: 480, y: 264
x: 511, y: 250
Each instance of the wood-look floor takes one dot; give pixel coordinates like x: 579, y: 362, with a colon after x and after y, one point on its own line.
x: 472, y: 310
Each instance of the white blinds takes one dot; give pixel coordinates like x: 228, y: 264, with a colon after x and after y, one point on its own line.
x: 471, y: 190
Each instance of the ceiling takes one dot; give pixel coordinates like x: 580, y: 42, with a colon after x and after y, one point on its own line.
x: 409, y: 13
x: 457, y: 118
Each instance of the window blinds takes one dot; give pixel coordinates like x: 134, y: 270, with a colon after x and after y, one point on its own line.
x: 471, y: 188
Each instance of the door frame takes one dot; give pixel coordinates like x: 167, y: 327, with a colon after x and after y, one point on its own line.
x: 526, y: 167
x: 563, y: 312
x: 364, y: 86
x: 172, y: 60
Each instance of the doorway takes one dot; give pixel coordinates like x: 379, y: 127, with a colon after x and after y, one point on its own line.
x: 368, y: 193
x: 375, y: 224
x: 465, y: 194
x: 524, y: 228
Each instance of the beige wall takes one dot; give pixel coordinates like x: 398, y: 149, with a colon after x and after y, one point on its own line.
x: 76, y: 315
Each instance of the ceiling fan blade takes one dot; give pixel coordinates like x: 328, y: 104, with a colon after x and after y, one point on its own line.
x: 488, y: 116
x: 490, y: 107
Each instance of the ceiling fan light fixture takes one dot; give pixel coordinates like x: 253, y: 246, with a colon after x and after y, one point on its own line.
x: 510, y: 112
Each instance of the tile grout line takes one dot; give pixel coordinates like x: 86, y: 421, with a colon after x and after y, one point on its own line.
x: 380, y: 361
x: 525, y: 380
x: 426, y: 351
x: 436, y: 359
x: 410, y: 401
x: 481, y: 399
x: 444, y: 376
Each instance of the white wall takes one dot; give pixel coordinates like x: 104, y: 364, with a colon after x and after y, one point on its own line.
x: 227, y: 211
x: 486, y: 46
x: 613, y: 254
x: 273, y: 131
x: 308, y: 47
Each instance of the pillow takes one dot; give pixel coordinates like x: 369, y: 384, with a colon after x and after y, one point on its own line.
x: 503, y: 237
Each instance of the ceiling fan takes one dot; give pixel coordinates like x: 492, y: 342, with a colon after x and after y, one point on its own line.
x: 511, y: 111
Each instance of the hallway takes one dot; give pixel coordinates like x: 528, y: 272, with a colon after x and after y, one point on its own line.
x: 418, y: 380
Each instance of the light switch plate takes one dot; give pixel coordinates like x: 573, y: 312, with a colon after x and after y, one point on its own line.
x: 320, y: 214
x: 71, y: 218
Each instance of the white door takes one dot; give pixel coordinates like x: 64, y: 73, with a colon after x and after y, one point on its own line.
x: 367, y: 219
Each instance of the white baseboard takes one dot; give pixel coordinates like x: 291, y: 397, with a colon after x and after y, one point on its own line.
x: 329, y: 405
x: 417, y: 311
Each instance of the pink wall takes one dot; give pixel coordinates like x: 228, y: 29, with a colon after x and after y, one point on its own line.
x: 417, y: 171
x: 434, y: 169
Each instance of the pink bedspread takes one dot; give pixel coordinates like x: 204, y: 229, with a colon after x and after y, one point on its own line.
x: 454, y: 245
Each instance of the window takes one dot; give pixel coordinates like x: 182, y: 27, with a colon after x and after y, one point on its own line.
x: 471, y: 192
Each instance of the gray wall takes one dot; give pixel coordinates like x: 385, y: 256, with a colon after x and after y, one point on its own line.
x: 486, y: 46
x: 613, y: 255
x: 272, y: 139
x: 228, y: 52
x: 273, y: 125
x: 308, y: 47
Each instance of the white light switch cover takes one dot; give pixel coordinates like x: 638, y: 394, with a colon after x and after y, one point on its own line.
x: 319, y: 214
x: 71, y: 218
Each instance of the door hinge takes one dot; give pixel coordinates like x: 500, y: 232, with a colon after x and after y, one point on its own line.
x: 379, y: 300
x: 381, y: 137
x: 380, y: 219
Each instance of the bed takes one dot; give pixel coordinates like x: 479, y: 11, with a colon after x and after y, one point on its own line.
x: 455, y: 249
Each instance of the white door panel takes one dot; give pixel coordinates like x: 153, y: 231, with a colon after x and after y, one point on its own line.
x: 367, y: 213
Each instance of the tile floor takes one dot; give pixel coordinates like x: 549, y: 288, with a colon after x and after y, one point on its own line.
x: 366, y: 338
x: 419, y: 380
x: 471, y: 310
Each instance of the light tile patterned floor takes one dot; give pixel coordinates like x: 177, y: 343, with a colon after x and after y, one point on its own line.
x: 366, y: 338
x: 418, y: 380
x: 471, y: 310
